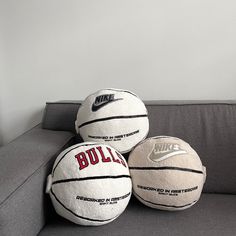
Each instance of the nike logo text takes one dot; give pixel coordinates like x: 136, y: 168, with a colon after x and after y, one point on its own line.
x: 162, y: 151
x: 103, y: 100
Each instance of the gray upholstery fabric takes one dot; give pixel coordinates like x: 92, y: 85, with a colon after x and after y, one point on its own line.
x: 209, y: 127
x: 60, y: 116
x: 24, y: 164
x: 214, y: 214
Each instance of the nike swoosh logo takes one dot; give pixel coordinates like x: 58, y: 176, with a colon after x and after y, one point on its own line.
x: 96, y: 107
x: 160, y: 156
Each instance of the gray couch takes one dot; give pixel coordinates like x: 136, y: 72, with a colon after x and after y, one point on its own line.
x: 210, y: 127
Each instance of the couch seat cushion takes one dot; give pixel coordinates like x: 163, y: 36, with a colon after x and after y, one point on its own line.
x: 214, y: 214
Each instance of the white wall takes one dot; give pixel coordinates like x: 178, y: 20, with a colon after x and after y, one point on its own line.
x: 2, y: 64
x: 58, y: 50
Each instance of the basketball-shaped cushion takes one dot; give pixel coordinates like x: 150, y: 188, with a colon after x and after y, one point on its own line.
x: 167, y: 173
x: 115, y: 117
x: 90, y: 184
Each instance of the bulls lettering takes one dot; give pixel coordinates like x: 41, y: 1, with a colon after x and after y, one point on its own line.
x: 96, y: 154
x: 82, y: 160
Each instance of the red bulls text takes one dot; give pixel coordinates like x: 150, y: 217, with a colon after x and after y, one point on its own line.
x: 96, y: 154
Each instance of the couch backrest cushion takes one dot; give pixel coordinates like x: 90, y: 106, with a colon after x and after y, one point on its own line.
x: 209, y: 127
x: 60, y: 115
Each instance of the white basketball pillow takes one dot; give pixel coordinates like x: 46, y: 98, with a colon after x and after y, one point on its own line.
x: 166, y: 173
x: 115, y: 117
x: 90, y: 184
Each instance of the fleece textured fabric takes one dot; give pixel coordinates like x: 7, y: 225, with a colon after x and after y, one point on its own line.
x: 167, y: 173
x: 90, y: 184
x: 115, y: 117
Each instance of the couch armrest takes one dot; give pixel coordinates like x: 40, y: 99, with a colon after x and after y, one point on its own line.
x: 24, y: 165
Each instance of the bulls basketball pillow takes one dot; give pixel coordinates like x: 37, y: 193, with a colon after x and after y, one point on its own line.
x: 166, y: 173
x: 115, y: 117
x: 90, y: 184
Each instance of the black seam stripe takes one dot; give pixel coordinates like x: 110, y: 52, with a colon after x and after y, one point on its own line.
x: 120, y: 90
x: 167, y: 168
x: 91, y: 144
x: 82, y: 217
x: 112, y: 118
x: 90, y: 178
x: 164, y: 205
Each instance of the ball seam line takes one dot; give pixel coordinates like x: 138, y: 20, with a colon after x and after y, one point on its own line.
x: 82, y: 217
x: 112, y: 118
x: 121, y: 90
x: 164, y: 205
x: 90, y: 178
x: 81, y: 144
x: 167, y: 168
